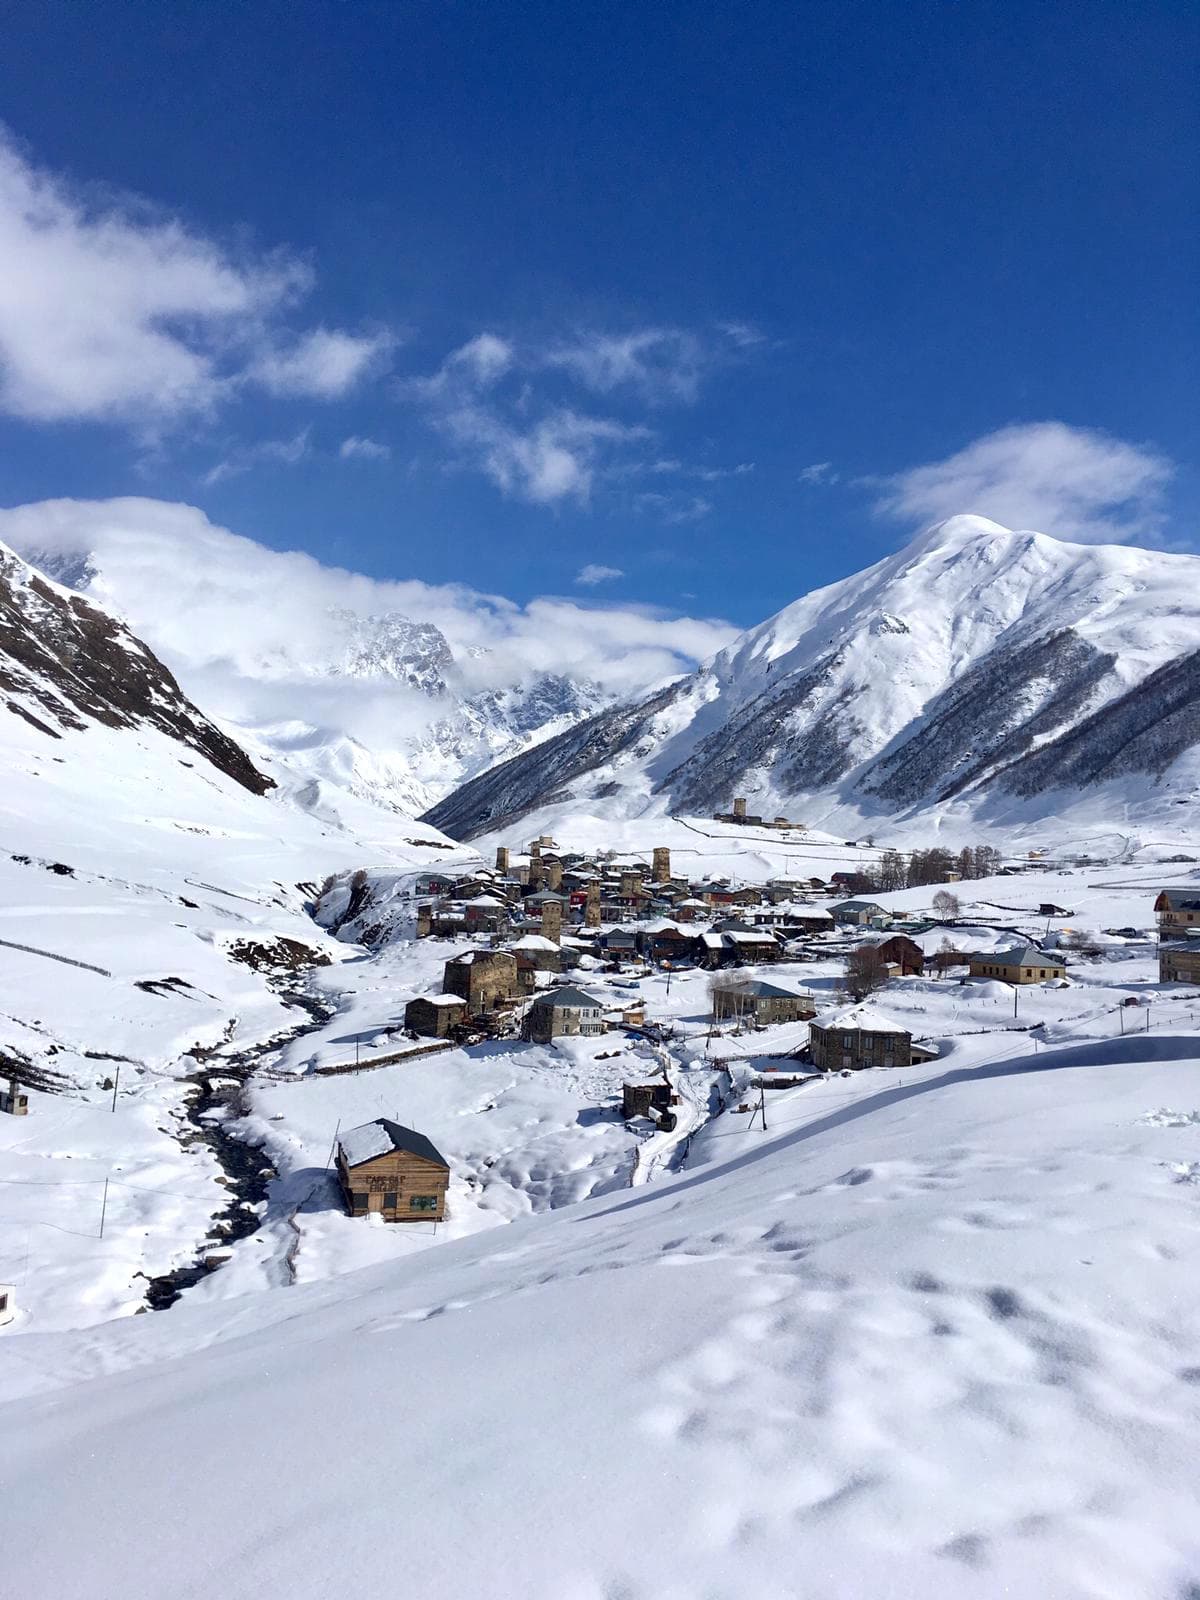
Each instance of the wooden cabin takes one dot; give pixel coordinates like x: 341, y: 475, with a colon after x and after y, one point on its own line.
x: 391, y: 1171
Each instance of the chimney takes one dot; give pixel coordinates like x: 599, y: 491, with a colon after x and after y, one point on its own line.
x: 501, y: 858
x: 662, y: 865
x: 739, y: 808
x: 554, y: 872
x: 552, y: 921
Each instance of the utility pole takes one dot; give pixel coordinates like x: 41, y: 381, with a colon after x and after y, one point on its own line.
x: 103, y: 1208
x: 1016, y: 992
x: 116, y: 1081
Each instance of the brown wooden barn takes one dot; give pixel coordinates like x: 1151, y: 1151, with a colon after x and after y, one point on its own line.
x: 392, y: 1171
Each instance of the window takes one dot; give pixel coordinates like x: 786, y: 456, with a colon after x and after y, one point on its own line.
x: 847, y: 1041
x: 423, y: 1202
x: 358, y: 1199
x: 389, y: 1199
x: 3, y: 1302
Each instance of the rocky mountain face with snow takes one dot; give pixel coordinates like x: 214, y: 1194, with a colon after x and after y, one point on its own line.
x: 68, y: 664
x: 432, y: 720
x: 979, y: 669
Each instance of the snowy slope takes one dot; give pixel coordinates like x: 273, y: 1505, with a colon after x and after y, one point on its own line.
x: 148, y: 868
x: 979, y: 673
x: 938, y: 1339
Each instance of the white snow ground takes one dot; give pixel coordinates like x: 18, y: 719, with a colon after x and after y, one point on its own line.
x: 939, y: 1338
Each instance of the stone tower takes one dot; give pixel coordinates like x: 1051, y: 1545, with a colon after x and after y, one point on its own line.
x: 591, y: 912
x: 501, y: 858
x: 554, y: 875
x: 536, y: 871
x: 662, y: 865
x: 739, y: 809
x: 552, y: 921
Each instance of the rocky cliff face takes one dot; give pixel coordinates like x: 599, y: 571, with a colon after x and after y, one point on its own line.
x: 974, y: 664
x: 67, y: 663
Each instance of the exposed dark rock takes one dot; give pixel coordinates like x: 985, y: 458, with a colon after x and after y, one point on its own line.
x: 64, y: 661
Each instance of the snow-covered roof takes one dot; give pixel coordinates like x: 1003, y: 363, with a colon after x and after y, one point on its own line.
x: 749, y: 936
x: 757, y: 990
x: 381, y: 1137
x: 444, y: 999
x: 863, y: 1017
x: 488, y: 900
x: 1021, y: 955
x: 712, y: 940
x: 534, y: 941
x: 568, y: 998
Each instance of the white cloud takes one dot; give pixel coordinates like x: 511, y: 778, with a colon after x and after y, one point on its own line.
x: 819, y: 472
x: 356, y: 449
x: 659, y: 364
x: 321, y: 365
x: 546, y: 460
x: 111, y: 311
x: 1074, y: 483
x: 595, y: 573
x: 248, y: 630
x: 282, y: 452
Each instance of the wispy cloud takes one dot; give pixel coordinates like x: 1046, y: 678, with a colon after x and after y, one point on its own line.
x: 356, y: 449
x: 673, y: 508
x: 113, y: 311
x: 660, y: 365
x: 1074, y: 483
x: 595, y: 573
x: 548, y: 459
x: 819, y: 472
x: 501, y: 402
x: 242, y: 458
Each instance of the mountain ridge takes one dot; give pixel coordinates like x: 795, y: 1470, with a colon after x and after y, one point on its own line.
x: 974, y: 665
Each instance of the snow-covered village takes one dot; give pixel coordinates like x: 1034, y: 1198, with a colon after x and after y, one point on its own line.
x: 599, y: 803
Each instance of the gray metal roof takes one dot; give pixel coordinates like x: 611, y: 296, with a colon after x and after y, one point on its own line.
x: 758, y: 990
x: 1021, y: 955
x: 568, y: 998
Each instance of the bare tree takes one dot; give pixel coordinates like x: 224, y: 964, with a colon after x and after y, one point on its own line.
x: 866, y: 971
x: 946, y: 904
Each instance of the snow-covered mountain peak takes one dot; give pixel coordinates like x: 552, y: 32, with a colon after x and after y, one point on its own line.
x: 965, y: 663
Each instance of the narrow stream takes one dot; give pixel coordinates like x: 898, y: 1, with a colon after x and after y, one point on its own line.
x: 220, y: 1084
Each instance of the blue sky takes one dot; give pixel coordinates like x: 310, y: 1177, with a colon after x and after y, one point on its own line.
x: 724, y: 299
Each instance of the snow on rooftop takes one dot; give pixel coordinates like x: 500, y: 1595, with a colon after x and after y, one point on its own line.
x: 864, y: 1017
x: 445, y: 1000
x: 364, y: 1143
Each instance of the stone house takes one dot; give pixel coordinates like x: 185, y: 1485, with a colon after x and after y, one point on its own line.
x: 485, y: 914
x: 14, y: 1100
x: 762, y: 1003
x: 485, y: 979
x: 667, y: 942
x: 1024, y: 964
x: 388, y: 1170
x: 544, y: 954
x: 859, y: 1036
x: 1179, y: 962
x: 561, y: 1013
x: 434, y: 1015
